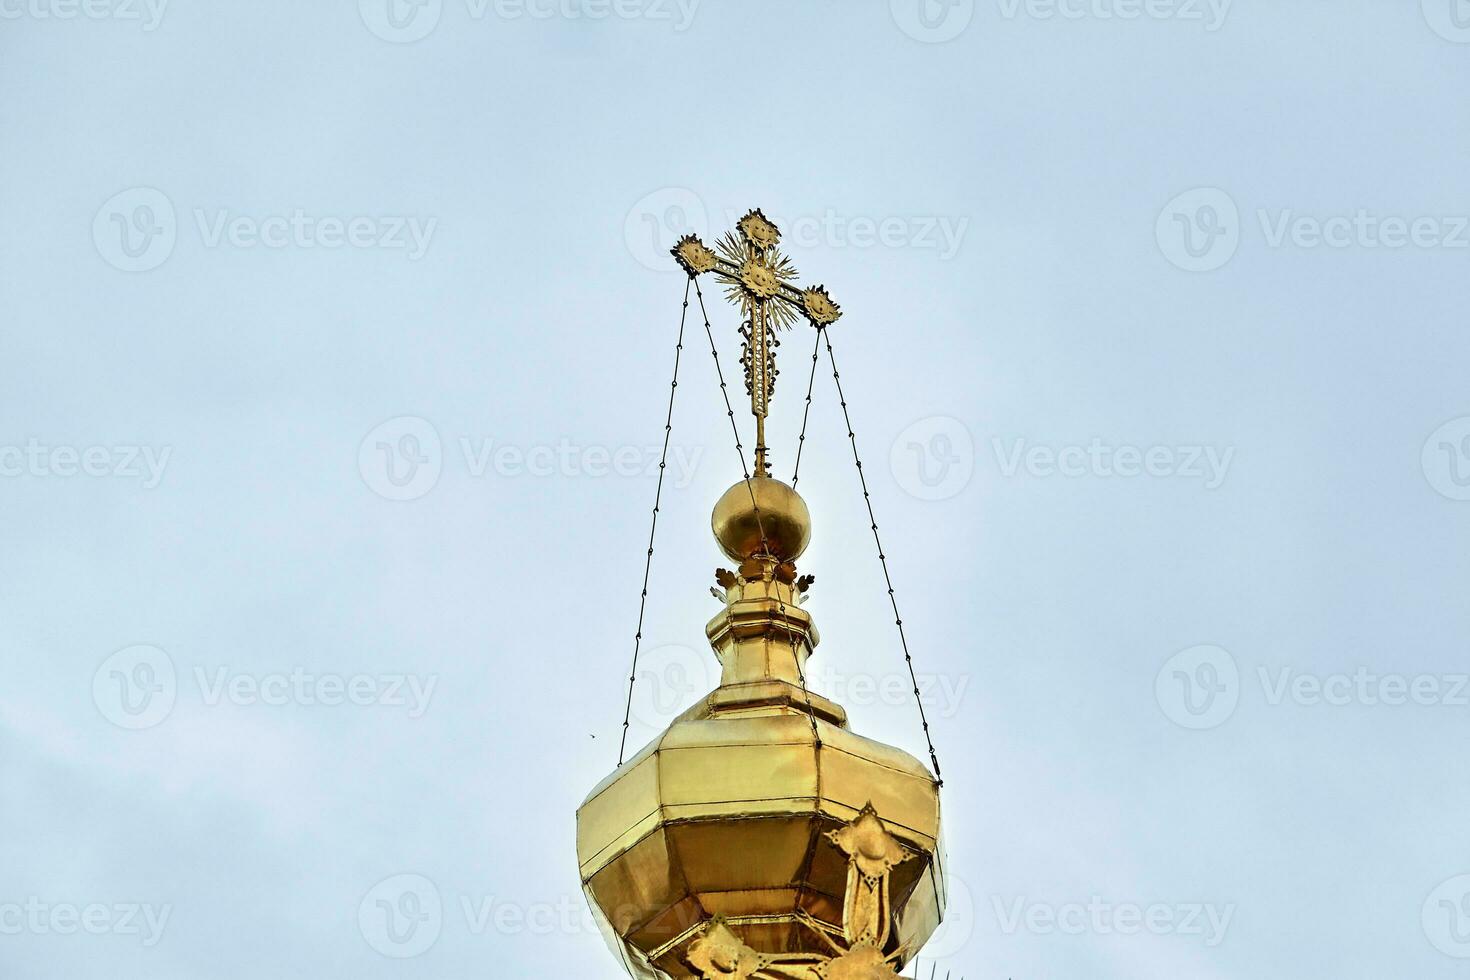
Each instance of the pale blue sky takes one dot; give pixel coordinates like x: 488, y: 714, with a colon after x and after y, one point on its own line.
x: 247, y: 243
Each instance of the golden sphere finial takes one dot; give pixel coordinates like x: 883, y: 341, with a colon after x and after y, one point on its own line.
x: 783, y: 516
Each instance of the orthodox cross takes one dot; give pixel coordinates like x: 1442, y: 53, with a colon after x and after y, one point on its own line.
x: 760, y: 280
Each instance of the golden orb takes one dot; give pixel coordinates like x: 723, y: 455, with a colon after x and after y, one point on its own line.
x: 762, y: 505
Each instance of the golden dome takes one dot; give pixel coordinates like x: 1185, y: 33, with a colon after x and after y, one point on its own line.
x: 758, y: 837
x: 761, y: 505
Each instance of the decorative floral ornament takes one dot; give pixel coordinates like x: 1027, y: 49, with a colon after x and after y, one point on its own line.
x: 819, y: 306
x: 868, y: 844
x: 720, y: 955
x: 692, y: 255
x: 759, y: 279
x: 863, y: 963
x: 759, y: 230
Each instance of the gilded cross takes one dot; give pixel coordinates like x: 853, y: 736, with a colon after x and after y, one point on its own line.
x: 760, y: 280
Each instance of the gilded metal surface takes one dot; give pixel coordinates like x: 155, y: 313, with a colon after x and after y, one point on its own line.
x: 757, y: 229
x: 760, y: 808
x: 720, y: 954
x: 693, y: 257
x: 762, y: 508
x: 760, y: 281
x: 819, y: 306
x: 758, y: 838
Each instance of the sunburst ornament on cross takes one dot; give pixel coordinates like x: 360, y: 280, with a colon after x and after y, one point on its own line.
x: 761, y: 281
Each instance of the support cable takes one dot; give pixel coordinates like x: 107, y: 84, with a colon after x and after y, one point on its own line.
x: 653, y: 528
x: 807, y: 411
x: 883, y: 560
